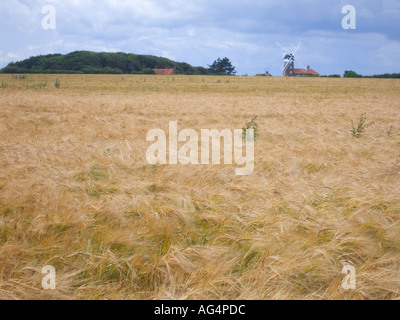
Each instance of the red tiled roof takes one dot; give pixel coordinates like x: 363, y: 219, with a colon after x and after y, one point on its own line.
x: 308, y: 72
x: 165, y: 71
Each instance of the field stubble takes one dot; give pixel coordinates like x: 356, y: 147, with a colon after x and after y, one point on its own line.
x: 77, y: 193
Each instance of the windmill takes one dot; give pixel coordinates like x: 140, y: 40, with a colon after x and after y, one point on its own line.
x: 288, y: 60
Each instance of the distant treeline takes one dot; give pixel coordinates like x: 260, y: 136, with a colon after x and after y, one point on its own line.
x: 353, y: 74
x: 86, y: 62
x: 385, y: 75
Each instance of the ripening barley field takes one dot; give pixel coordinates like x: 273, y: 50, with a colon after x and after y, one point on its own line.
x: 77, y: 193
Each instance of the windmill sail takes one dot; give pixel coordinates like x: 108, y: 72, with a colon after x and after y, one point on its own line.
x: 288, y: 59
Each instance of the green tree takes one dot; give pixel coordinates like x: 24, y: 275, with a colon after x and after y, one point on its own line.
x: 223, y: 67
x: 351, y: 74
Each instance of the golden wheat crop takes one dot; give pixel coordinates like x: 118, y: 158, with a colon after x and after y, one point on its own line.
x: 76, y: 191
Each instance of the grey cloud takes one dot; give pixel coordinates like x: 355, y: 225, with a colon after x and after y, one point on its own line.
x: 199, y: 31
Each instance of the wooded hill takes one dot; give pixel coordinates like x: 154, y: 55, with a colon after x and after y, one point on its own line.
x: 86, y: 62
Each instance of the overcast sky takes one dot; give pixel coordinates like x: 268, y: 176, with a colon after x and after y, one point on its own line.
x: 200, y: 31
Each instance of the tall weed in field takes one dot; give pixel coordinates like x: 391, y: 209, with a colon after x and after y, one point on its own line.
x: 251, y: 125
x: 359, y: 130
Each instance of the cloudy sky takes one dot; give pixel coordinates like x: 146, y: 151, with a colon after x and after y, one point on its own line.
x: 200, y: 31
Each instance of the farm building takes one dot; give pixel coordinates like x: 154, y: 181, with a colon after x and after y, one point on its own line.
x: 305, y: 72
x: 165, y: 71
x: 290, y: 71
